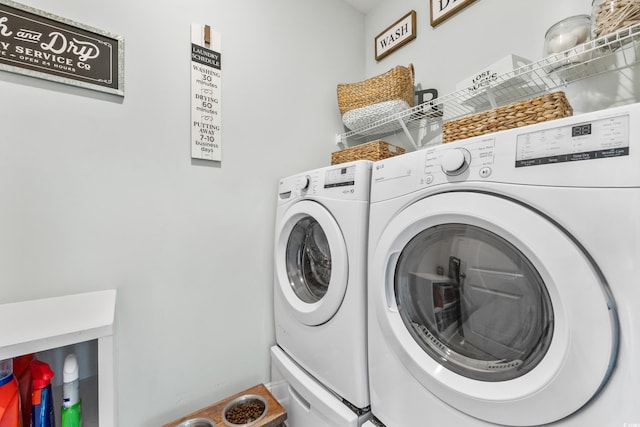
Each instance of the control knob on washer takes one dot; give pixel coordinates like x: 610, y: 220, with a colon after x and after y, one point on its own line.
x: 455, y: 161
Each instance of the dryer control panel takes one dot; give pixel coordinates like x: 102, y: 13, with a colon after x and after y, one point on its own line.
x: 340, y: 177
x: 349, y: 181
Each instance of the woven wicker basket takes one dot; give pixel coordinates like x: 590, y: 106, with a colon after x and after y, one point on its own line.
x: 375, y: 150
x: 395, y: 84
x: 543, y: 108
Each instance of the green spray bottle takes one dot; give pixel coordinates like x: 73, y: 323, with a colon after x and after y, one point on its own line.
x: 71, y: 403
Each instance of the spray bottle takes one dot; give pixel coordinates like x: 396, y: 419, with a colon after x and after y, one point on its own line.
x: 71, y: 403
x: 22, y: 372
x: 42, y: 414
x: 9, y: 396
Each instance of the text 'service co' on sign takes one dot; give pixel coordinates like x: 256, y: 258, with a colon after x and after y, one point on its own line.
x: 206, y: 76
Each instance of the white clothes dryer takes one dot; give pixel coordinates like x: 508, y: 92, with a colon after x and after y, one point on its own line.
x: 504, y: 278
x: 320, y: 276
x: 307, y: 402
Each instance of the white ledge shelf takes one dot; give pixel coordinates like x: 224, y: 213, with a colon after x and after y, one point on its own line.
x: 40, y: 325
x: 602, y: 55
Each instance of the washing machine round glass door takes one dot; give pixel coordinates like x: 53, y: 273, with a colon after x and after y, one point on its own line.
x: 311, y: 262
x: 474, y: 302
x: 494, y: 308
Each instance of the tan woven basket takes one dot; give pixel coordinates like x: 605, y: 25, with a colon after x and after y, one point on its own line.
x: 395, y: 84
x: 374, y: 150
x: 543, y: 108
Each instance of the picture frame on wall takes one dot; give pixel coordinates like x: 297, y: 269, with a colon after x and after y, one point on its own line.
x: 442, y: 10
x: 39, y: 44
x: 395, y: 36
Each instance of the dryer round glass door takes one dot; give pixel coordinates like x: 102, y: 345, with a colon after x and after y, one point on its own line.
x: 311, y: 262
x: 308, y: 259
x: 493, y: 308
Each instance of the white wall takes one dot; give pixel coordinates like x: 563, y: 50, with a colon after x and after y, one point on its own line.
x: 481, y: 34
x: 98, y: 193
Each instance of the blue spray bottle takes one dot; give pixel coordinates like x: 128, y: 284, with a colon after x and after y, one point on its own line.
x: 42, y: 414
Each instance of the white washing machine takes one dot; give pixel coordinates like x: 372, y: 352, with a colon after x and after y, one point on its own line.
x: 307, y: 402
x: 320, y: 276
x: 504, y: 278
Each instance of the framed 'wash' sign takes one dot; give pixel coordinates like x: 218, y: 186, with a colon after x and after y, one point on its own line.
x: 396, y: 35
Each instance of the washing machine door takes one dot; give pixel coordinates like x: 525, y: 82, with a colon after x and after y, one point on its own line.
x: 311, y: 262
x: 493, y: 308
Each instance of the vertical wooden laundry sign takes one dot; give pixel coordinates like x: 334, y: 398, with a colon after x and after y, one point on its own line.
x: 206, y: 76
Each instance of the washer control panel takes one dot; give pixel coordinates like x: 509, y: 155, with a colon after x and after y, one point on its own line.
x: 587, y: 140
x: 554, y: 153
x: 455, y: 161
x: 459, y: 163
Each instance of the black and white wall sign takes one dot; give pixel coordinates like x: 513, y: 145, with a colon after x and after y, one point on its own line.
x: 39, y: 44
x: 206, y: 80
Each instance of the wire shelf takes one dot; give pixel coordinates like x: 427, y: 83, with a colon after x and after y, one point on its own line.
x: 608, y: 53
